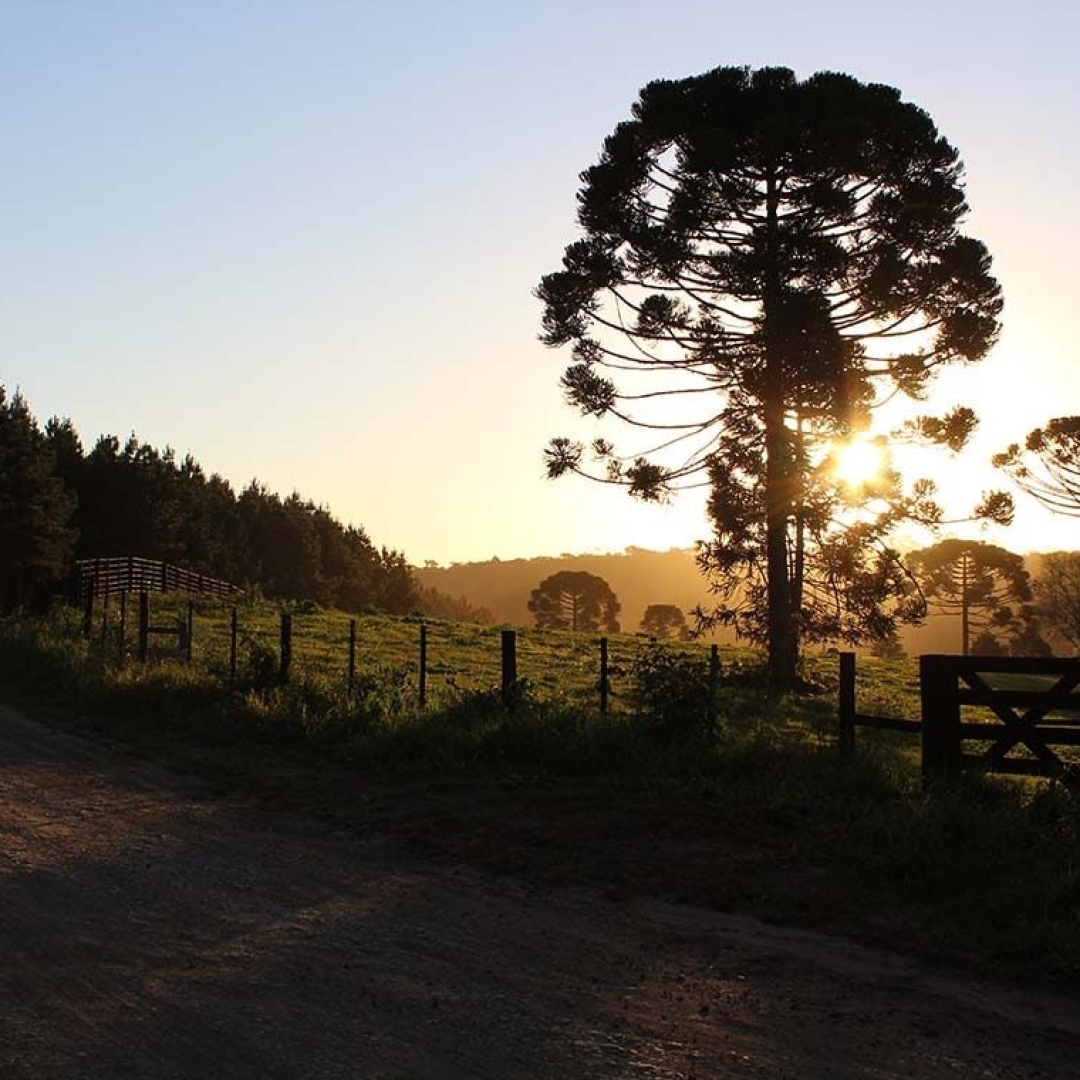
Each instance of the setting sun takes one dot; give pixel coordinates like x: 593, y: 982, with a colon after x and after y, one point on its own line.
x: 859, y: 462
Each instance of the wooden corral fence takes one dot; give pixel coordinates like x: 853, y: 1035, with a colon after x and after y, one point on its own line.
x: 1034, y: 703
x: 128, y: 574
x: 100, y: 579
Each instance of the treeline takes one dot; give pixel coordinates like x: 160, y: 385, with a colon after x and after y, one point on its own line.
x: 60, y: 502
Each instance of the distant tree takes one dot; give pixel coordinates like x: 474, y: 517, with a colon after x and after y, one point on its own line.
x: 664, y: 620
x: 769, y: 252
x: 986, y: 586
x: 399, y: 594
x: 1048, y: 465
x: 575, y: 600
x: 1057, y: 595
x: 36, y: 510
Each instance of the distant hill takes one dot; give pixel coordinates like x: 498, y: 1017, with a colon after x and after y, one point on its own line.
x: 639, y: 577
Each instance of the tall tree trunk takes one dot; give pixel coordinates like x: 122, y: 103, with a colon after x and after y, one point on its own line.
x: 778, y: 496
x: 782, y: 657
x: 798, y: 572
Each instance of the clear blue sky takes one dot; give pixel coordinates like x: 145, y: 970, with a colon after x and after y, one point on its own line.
x: 299, y: 239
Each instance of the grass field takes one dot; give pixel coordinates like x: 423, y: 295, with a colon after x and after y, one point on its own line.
x: 462, y: 657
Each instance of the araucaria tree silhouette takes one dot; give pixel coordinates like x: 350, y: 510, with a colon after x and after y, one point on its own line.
x: 575, y: 600
x: 985, y: 585
x: 777, y: 256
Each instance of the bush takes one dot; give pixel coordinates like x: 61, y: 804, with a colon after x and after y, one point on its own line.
x: 670, y: 693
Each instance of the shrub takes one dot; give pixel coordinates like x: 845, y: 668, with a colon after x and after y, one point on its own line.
x: 670, y: 693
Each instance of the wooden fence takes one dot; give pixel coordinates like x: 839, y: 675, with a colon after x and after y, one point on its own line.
x: 128, y: 574
x: 1033, y: 701
x: 100, y: 579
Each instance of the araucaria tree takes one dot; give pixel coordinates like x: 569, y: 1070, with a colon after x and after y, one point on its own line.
x: 984, y: 585
x: 575, y: 600
x: 1048, y: 465
x: 762, y: 260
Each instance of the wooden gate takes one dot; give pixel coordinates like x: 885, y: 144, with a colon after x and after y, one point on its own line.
x: 1034, y: 701
x: 1034, y: 706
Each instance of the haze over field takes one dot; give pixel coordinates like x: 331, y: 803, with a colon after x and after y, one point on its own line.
x: 300, y: 240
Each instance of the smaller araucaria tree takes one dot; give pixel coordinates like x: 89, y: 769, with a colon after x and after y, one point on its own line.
x: 664, y: 621
x: 1048, y: 465
x: 985, y: 585
x: 575, y: 600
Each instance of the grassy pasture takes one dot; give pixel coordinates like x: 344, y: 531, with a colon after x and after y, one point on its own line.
x: 461, y: 657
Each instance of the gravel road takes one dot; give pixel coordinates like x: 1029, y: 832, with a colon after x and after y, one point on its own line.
x: 149, y: 928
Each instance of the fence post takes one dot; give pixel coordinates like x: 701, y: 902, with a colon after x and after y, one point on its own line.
x: 352, y: 655
x: 144, y: 625
x: 714, y: 684
x: 232, y: 648
x: 105, y: 621
x: 509, y: 667
x: 940, y: 718
x: 123, y: 625
x: 164, y: 577
x: 88, y: 616
x: 603, y: 676
x: 190, y: 627
x: 423, y: 665
x: 286, y: 647
x: 847, y: 704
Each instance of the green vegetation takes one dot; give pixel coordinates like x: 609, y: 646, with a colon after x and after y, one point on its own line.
x: 752, y: 812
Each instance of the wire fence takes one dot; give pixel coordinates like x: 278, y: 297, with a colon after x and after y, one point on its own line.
x: 244, y: 642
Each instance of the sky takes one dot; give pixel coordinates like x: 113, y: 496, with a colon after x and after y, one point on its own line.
x: 299, y: 239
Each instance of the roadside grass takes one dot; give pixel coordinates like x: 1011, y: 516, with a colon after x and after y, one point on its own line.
x: 756, y: 814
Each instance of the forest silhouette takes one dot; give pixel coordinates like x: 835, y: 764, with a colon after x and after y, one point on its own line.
x: 60, y: 502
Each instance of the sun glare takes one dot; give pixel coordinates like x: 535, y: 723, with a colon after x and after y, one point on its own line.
x: 859, y: 462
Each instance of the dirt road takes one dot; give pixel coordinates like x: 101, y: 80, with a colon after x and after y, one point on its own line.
x: 150, y: 929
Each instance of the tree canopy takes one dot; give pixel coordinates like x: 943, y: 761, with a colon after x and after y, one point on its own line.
x: 1057, y: 595
x: 984, y: 585
x: 763, y: 258
x: 575, y: 600
x: 1047, y: 466
x: 36, y: 511
x: 664, y: 620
